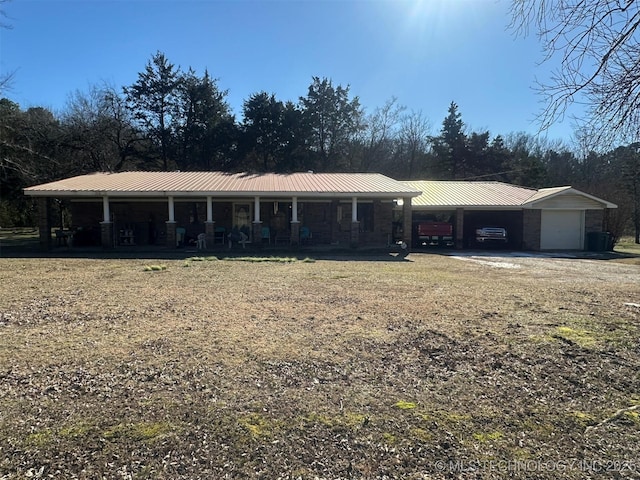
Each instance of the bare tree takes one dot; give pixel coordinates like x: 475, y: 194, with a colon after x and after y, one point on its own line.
x: 100, y: 130
x: 378, y: 138
x: 6, y: 78
x: 597, y: 45
x: 414, y: 138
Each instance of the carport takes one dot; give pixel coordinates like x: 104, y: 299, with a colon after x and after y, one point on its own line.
x: 559, y: 218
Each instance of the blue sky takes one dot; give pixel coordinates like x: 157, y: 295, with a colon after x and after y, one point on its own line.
x: 426, y: 53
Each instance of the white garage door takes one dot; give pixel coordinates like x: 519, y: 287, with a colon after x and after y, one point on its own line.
x: 562, y: 230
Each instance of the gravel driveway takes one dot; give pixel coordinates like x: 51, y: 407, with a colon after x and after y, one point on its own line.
x: 582, y: 266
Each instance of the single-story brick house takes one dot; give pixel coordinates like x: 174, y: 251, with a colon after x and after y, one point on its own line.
x: 174, y: 208
x: 356, y: 209
x: 559, y: 218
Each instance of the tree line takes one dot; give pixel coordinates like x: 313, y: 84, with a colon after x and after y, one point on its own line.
x: 171, y: 119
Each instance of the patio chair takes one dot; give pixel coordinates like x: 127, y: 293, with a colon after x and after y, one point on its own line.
x: 219, y: 235
x: 305, y: 235
x: 266, y: 235
x: 180, y: 234
x: 202, y: 241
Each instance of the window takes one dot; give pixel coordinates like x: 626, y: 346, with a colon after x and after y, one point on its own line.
x: 241, y: 215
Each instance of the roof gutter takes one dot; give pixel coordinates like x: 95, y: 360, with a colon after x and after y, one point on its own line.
x: 225, y: 194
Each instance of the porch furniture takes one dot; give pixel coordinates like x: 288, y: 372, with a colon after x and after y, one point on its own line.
x: 219, y: 235
x: 180, y: 234
x: 64, y: 238
x: 305, y: 235
x: 202, y: 241
x: 266, y: 235
x: 238, y: 236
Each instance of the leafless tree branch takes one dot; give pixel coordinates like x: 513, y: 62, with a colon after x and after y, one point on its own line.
x: 597, y: 45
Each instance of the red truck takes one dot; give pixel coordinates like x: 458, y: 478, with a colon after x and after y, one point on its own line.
x: 435, y: 234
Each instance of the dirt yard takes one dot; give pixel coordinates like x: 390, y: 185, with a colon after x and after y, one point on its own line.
x: 437, y: 367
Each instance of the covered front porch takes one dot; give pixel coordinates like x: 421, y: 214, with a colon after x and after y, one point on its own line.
x: 214, y: 223
x: 208, y: 209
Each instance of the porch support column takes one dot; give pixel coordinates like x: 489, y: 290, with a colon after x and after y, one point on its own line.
x: 209, y: 224
x: 459, y: 228
x: 106, y: 214
x: 354, y: 209
x: 106, y: 226
x: 355, y: 224
x: 44, y: 222
x: 295, y: 223
x: 407, y: 222
x: 172, y: 210
x: 256, y: 209
x: 294, y: 209
x: 257, y: 223
x: 171, y: 224
x: 209, y: 209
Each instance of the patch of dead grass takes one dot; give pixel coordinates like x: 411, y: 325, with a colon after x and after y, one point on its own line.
x: 328, y: 369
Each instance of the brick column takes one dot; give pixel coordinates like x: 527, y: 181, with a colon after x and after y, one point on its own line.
x: 407, y: 222
x: 355, y: 234
x: 106, y: 234
x: 256, y: 229
x: 334, y: 221
x: 295, y: 233
x: 171, y: 234
x: 531, y: 229
x: 44, y: 222
x: 459, y: 228
x: 210, y: 232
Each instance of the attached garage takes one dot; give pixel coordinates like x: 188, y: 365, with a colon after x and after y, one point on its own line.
x: 567, y: 216
x: 559, y: 218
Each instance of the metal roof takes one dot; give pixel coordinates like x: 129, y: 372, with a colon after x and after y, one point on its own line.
x: 549, y: 193
x: 225, y: 184
x: 482, y: 195
x: 469, y: 194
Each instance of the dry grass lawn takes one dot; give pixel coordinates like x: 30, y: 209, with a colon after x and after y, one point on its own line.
x: 362, y: 368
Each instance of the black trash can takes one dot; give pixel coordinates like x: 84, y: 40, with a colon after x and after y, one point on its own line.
x: 598, y: 241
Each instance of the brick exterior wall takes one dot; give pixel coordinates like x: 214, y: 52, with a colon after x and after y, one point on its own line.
x: 593, y: 221
x: 170, y: 234
x: 209, y: 230
x: 407, y: 222
x: 459, y: 228
x: 354, y: 240
x: 44, y: 222
x: 148, y: 220
x: 295, y: 233
x: 256, y: 231
x: 531, y: 229
x: 106, y: 235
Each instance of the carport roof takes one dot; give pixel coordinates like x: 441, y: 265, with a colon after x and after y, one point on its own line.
x: 437, y: 194
x: 307, y: 184
x: 469, y: 194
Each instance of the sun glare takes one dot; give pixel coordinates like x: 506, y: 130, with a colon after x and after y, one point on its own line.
x: 430, y: 19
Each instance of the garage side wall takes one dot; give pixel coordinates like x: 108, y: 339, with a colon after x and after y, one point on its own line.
x: 531, y: 229
x: 593, y: 221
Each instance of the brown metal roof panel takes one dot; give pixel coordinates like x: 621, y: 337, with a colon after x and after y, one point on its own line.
x: 461, y: 194
x: 206, y: 182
